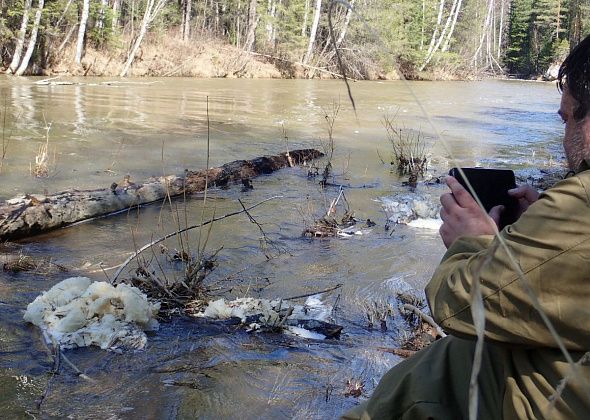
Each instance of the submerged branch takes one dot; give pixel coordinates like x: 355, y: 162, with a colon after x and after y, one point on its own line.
x: 163, y: 238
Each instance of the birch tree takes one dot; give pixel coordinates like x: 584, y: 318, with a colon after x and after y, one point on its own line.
x: 152, y: 9
x: 451, y: 18
x: 32, y: 40
x: 345, y: 25
x: 20, y: 40
x: 82, y: 31
x: 314, y: 30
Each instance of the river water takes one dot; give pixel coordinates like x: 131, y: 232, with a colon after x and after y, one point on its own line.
x: 97, y: 133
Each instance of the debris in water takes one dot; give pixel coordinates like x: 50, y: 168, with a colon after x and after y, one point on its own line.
x: 79, y: 313
x: 414, y: 210
x: 308, y: 320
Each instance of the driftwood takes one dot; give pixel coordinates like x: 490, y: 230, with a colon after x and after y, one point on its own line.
x: 32, y: 214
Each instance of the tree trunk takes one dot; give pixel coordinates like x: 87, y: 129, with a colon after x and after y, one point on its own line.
x: 270, y: 31
x: 116, y: 12
x: 436, y: 46
x: 186, y: 19
x: 33, y: 214
x: 575, y: 18
x: 484, y: 32
x: 441, y: 8
x: 501, y: 31
x: 82, y: 31
x: 450, y: 35
x: 345, y: 25
x: 252, y: 24
x: 305, y: 13
x: 20, y: 40
x: 32, y: 41
x: 314, y: 30
x: 152, y: 8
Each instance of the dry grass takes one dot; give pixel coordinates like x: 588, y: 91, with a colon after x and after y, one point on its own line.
x: 167, y: 55
x: 41, y: 168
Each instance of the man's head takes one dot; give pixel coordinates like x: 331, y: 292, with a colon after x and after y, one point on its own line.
x: 574, y: 82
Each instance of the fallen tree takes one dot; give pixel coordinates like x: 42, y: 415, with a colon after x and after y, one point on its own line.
x: 32, y: 214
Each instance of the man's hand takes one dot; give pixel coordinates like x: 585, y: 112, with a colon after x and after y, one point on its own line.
x: 462, y: 216
x: 526, y: 195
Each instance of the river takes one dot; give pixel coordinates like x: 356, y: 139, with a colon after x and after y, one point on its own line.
x: 97, y: 133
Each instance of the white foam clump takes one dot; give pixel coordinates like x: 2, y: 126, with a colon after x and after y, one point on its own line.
x: 433, y: 224
x: 241, y: 308
x: 415, y: 210
x: 79, y: 313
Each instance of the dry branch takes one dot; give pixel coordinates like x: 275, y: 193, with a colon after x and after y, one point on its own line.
x: 33, y: 214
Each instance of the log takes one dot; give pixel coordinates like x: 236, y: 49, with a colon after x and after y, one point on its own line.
x: 33, y: 214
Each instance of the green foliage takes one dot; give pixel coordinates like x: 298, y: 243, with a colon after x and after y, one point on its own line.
x: 518, y: 54
x: 100, y: 29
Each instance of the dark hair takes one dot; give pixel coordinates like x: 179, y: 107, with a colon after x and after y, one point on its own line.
x: 574, y: 74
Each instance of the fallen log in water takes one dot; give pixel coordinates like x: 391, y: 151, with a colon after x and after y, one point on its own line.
x: 32, y: 214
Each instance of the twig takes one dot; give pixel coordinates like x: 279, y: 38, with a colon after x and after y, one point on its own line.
x: 398, y: 352
x: 73, y: 366
x: 338, y: 286
x: 163, y: 238
x: 425, y: 318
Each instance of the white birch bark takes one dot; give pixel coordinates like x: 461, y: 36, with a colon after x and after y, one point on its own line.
x: 450, y: 35
x: 436, y: 28
x: 32, y: 40
x: 305, y: 13
x: 82, y: 31
x: 152, y: 9
x: 345, y: 25
x: 484, y: 32
x: 20, y: 40
x: 442, y: 35
x: 314, y: 30
x: 100, y: 21
x: 271, y: 10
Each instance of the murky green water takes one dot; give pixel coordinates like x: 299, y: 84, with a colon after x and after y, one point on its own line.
x: 100, y: 133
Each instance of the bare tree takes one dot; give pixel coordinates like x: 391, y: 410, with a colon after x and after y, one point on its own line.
x: 441, y: 9
x: 252, y: 24
x: 345, y: 25
x: 186, y: 19
x: 152, y: 9
x: 32, y: 40
x: 20, y: 40
x: 82, y: 31
x: 305, y: 13
x: 451, y: 18
x: 314, y: 30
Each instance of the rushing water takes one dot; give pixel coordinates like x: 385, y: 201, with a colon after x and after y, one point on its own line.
x: 98, y: 133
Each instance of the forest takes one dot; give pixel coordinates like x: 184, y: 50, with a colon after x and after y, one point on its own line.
x: 376, y: 39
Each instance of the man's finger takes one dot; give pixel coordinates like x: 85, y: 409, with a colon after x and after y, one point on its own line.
x: 448, y: 201
x: 524, y: 191
x: 496, y: 213
x: 462, y: 196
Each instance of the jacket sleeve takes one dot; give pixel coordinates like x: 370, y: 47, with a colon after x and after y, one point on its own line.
x: 551, y: 244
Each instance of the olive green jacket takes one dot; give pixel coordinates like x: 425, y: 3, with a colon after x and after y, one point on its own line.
x: 551, y: 245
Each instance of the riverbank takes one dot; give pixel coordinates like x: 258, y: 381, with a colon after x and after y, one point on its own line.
x: 167, y: 56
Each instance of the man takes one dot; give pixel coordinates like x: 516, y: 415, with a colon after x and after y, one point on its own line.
x: 522, y: 364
